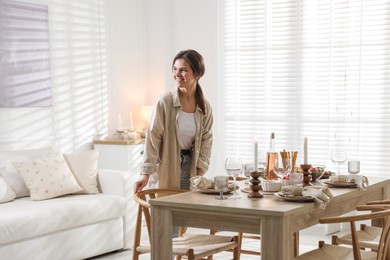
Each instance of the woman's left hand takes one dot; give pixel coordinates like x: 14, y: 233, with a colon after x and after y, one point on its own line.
x: 199, y: 172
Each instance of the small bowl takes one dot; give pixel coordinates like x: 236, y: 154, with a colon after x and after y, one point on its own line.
x: 317, y: 171
x: 270, y: 185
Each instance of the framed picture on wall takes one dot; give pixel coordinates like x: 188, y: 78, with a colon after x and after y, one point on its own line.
x: 25, y: 79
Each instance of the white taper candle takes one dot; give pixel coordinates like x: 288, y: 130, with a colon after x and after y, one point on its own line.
x: 305, y: 160
x: 119, y: 127
x: 255, y: 163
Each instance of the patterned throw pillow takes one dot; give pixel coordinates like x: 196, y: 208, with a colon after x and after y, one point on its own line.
x: 47, y: 177
x: 9, y: 173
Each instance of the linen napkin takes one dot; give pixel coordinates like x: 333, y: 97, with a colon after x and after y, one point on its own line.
x: 201, y: 182
x: 321, y: 194
x: 360, y: 180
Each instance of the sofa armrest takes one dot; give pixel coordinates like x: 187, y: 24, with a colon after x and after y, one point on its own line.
x: 116, y: 182
x: 121, y: 183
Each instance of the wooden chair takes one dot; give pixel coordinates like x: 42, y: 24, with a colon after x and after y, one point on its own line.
x: 368, y: 236
x: 326, y: 251
x: 194, y: 246
x: 242, y: 236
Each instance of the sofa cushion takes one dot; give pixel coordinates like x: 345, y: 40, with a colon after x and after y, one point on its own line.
x: 84, y: 168
x: 6, y: 193
x: 47, y: 177
x: 11, y: 176
x: 23, y: 218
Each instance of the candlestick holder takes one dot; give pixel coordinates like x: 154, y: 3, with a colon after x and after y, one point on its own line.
x: 306, y: 174
x: 255, y: 184
x: 120, y: 134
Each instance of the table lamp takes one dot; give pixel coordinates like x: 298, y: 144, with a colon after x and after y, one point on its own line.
x: 146, y: 112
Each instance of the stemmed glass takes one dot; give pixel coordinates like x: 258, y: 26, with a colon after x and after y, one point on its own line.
x: 221, y: 185
x: 338, y: 156
x: 234, y: 167
x: 282, y: 168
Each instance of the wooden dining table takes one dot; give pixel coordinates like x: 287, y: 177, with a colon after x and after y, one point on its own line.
x: 275, y: 219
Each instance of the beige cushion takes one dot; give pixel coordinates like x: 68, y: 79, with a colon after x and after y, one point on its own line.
x: 6, y: 193
x: 84, y: 168
x: 47, y: 177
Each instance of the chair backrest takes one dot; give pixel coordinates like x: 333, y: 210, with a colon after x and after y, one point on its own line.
x: 142, y: 198
x: 384, y: 242
x: 381, y: 212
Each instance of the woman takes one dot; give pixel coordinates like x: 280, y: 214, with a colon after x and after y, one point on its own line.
x: 179, y: 137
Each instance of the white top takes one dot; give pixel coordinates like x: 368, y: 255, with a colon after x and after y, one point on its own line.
x: 187, y: 129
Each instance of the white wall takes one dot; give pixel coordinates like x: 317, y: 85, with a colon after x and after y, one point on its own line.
x: 142, y: 37
x: 152, y: 33
x: 78, y: 111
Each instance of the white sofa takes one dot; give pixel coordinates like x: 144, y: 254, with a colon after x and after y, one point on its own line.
x: 71, y: 226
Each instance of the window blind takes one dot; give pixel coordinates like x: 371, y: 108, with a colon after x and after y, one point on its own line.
x: 308, y: 68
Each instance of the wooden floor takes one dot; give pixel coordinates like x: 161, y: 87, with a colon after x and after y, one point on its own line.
x: 308, y: 240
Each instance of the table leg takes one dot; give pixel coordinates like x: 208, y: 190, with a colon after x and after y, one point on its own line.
x: 296, y: 243
x: 161, y: 233
x: 276, y: 234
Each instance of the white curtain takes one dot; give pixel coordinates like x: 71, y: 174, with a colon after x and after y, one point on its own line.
x: 319, y: 69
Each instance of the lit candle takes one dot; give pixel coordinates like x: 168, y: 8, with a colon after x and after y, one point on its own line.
x: 255, y: 165
x: 131, y: 127
x: 305, y: 151
x: 119, y: 122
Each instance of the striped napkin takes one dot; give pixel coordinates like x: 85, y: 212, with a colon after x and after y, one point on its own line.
x: 321, y: 194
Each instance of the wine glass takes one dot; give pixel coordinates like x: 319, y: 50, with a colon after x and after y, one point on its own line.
x: 234, y: 167
x: 221, y: 185
x: 338, y: 156
x: 248, y: 169
x: 282, y: 168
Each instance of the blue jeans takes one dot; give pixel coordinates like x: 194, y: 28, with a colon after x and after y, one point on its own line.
x: 185, y: 166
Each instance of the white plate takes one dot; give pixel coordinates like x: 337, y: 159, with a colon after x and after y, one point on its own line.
x: 294, y: 198
x: 212, y: 191
x: 340, y: 184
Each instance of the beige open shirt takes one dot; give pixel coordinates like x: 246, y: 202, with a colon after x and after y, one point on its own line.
x: 162, y: 151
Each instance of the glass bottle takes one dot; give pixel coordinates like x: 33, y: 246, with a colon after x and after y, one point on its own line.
x: 272, y: 156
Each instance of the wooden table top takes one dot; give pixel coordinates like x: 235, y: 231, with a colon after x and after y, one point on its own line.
x: 268, y: 205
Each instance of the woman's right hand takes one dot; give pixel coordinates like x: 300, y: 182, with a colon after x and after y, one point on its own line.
x: 141, y: 183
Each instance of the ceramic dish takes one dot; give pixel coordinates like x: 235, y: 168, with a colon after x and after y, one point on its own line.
x: 340, y: 184
x: 247, y: 190
x: 294, y: 198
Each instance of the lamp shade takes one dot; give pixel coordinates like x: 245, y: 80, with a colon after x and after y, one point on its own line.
x: 146, y: 112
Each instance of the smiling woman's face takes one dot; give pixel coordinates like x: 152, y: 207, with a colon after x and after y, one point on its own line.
x: 183, y: 74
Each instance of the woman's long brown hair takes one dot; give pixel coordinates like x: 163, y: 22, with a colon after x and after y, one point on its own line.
x: 197, y: 65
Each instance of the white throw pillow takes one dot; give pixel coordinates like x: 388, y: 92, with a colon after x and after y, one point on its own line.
x: 47, y: 177
x: 84, y: 168
x: 15, y: 180
x: 6, y: 193
x: 9, y: 173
